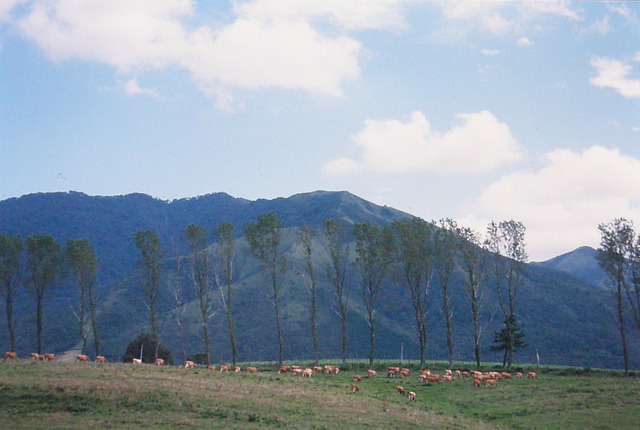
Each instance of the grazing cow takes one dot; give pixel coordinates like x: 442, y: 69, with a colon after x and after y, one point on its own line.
x: 412, y: 396
x: 159, y: 362
x: 448, y: 372
x: 189, y: 364
x: 447, y: 378
x: 457, y: 373
x: 506, y: 375
x: 392, y: 371
x: 357, y: 378
x: 35, y: 355
x: 284, y: 369
x: 297, y: 371
x: 213, y: 368
x: 101, y: 359
x: 307, y: 372
x: 465, y: 374
x: 82, y: 358
x: 519, y: 375
x: 432, y: 378
x: 371, y: 373
x: 330, y: 368
x: 49, y: 357
x: 317, y: 369
x: 477, y: 382
x: 10, y: 356
x: 532, y: 375
x: 425, y: 372
x: 399, y: 390
x: 355, y: 388
x: 237, y: 369
x: 405, y: 372
x: 488, y: 382
x: 225, y: 368
x: 252, y: 369
x: 136, y: 361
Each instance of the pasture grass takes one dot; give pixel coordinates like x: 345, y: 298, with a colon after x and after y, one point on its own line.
x: 81, y: 395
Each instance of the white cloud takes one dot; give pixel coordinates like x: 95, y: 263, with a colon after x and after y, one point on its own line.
x: 6, y: 6
x: 615, y: 74
x: 562, y: 203
x: 524, y: 42
x: 601, y: 27
x: 300, y: 45
x: 478, y: 145
x: 131, y: 87
x: 341, y: 167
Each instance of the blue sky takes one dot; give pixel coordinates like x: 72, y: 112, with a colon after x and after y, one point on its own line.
x: 473, y: 110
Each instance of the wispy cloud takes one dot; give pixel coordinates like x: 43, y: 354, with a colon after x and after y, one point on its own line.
x: 490, y: 52
x: 131, y: 87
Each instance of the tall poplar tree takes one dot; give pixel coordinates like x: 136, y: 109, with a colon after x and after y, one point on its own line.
x: 445, y: 242
x: 265, y: 237
x: 335, y: 234
x: 10, y: 252
x: 200, y: 263
x: 226, y: 256
x: 373, y: 249
x: 45, y: 265
x: 83, y: 262
x: 150, y: 267
x: 415, y: 262
x: 306, y: 234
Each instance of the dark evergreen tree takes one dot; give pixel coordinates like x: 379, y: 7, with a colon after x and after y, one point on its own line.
x: 509, y: 339
x: 146, y: 344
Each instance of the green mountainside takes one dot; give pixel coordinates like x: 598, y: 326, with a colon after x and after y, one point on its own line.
x: 566, y: 318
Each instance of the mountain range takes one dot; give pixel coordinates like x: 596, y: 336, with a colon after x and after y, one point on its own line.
x: 565, y: 308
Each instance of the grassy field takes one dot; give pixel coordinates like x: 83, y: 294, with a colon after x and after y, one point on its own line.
x: 69, y: 396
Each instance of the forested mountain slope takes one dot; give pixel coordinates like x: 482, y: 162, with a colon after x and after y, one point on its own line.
x: 566, y: 319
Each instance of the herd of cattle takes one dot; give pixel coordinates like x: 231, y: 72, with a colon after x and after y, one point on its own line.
x: 424, y: 376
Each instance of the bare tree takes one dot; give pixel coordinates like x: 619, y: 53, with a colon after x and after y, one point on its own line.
x: 335, y: 234
x: 306, y: 234
x: 10, y: 251
x: 226, y: 256
x: 373, y: 248
x: 45, y: 265
x: 200, y: 263
x: 264, y: 237
x: 415, y: 261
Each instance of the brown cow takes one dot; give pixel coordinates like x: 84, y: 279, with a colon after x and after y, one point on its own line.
x: 355, y: 388
x: 488, y: 382
x: 82, y: 358
x: 211, y: 368
x: 317, y: 369
x: 101, y: 359
x: 252, y: 369
x: 225, y: 368
x: 457, y: 373
x: 371, y: 373
x: 519, y: 375
x: 532, y: 375
x: 432, y: 378
x: 136, y: 361
x: 159, y: 362
x: 357, y: 378
x: 307, y: 372
x: 284, y: 369
x: 49, y: 357
x: 392, y: 371
x: 35, y: 356
x: 189, y: 364
x: 237, y: 369
x: 477, y: 382
x: 330, y: 368
x: 297, y: 371
x: 399, y: 389
x: 506, y: 375
x: 405, y: 372
x: 412, y: 396
x: 10, y: 356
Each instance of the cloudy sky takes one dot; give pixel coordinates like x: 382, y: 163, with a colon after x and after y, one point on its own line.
x: 473, y: 110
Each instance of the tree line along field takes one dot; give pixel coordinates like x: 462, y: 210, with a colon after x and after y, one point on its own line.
x: 35, y: 394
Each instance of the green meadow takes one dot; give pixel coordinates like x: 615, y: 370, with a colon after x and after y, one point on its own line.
x: 57, y: 395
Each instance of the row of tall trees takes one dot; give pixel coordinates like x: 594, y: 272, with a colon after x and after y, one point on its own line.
x: 619, y: 257
x: 410, y: 252
x: 47, y: 263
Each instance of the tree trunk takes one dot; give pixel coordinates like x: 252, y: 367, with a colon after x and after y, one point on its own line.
x: 312, y: 317
x: 39, y: 300
x: 232, y: 332
x: 625, y: 353
x: 94, y: 321
x: 372, y: 339
x: 343, y: 321
x: 9, y: 309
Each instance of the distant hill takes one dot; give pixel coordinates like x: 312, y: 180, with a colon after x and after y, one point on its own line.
x: 581, y: 263
x: 565, y: 316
